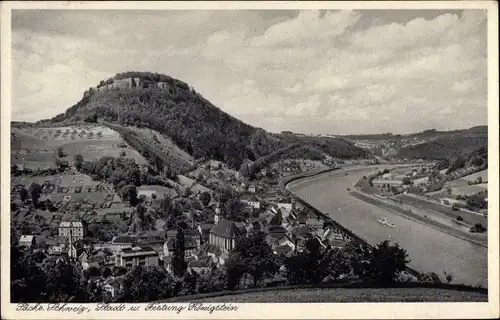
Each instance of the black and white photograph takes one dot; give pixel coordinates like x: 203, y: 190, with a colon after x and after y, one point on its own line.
x: 220, y: 157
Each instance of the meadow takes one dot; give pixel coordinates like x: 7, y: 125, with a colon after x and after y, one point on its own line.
x: 350, y: 295
x: 38, y: 147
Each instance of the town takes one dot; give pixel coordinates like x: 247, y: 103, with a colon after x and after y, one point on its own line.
x: 61, y: 214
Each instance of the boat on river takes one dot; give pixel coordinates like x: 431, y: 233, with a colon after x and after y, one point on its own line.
x: 386, y: 222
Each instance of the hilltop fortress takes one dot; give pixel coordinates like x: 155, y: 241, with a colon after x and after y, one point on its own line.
x: 136, y: 82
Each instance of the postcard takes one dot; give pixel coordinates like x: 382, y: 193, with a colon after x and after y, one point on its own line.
x: 254, y: 160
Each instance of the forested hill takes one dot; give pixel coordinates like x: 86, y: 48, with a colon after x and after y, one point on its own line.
x: 445, y: 148
x: 173, y: 108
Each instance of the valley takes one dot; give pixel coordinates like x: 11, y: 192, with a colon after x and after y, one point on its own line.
x: 149, y: 174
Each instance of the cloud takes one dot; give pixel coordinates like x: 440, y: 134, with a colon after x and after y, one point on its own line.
x: 308, y: 26
x: 308, y: 71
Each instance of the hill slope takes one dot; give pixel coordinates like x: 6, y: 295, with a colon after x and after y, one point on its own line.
x: 174, y: 109
x: 444, y: 148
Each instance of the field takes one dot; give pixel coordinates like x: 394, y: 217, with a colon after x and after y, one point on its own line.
x: 469, y: 217
x: 420, y: 181
x: 309, y: 165
x: 471, y: 177
x: 160, y: 191
x: 74, y: 195
x: 469, y: 190
x: 350, y: 295
x: 37, y: 147
x: 186, y: 182
x: 389, y: 182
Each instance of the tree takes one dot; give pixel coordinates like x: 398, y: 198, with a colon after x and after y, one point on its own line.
x: 65, y: 283
x: 119, y: 271
x: 386, y: 261
x: 251, y: 255
x: 235, y: 210
x: 205, y: 198
x: 27, y: 279
x: 189, y: 283
x: 60, y: 152
x: 129, y: 193
x: 92, y: 272
x: 214, y: 280
x: 143, y: 284
x: 337, y: 262
x: 78, y: 161
x: 406, y: 181
x: 23, y: 194
x: 141, y: 211
x: 166, y: 206
x: 277, y: 219
x: 35, y: 191
x: 309, y: 266
x: 448, y: 277
x: 178, y: 263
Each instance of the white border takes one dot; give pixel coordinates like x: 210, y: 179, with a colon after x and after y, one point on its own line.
x: 276, y: 311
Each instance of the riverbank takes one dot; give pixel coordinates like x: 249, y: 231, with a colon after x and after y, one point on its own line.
x: 430, y: 250
x: 325, y: 216
x: 413, y: 215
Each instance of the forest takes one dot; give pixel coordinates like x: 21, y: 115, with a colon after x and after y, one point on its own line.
x: 192, y: 122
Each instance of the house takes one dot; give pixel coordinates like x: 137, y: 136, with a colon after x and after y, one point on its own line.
x: 250, y: 201
x: 190, y: 246
x: 27, y: 241
x: 197, y: 266
x: 204, y: 231
x: 252, y: 189
x: 124, y: 241
x: 191, y: 235
x: 136, y: 256
x: 284, y: 250
x: 300, y: 235
x: 94, y: 261
x: 277, y: 240
x: 74, y: 229
x: 314, y: 222
x: 212, y: 252
x: 274, y: 230
x: 335, y: 243
x: 254, y: 226
x: 223, y: 234
x: 154, y: 242
x: 285, y: 207
x: 113, y: 285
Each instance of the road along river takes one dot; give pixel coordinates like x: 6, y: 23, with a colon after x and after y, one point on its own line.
x: 429, y: 250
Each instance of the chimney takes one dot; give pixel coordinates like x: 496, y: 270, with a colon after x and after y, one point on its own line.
x: 216, y: 218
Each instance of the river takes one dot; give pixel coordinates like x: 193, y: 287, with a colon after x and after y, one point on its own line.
x: 429, y: 250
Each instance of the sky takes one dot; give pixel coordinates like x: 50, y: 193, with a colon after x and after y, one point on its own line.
x: 328, y: 72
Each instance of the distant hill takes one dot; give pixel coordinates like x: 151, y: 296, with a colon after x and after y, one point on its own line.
x: 174, y: 109
x: 426, y: 134
x: 444, y: 148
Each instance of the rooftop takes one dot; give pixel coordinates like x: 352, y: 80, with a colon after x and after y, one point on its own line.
x: 71, y: 224
x: 139, y: 250
x: 26, y: 238
x: 283, y: 249
x: 225, y: 229
x: 123, y: 239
